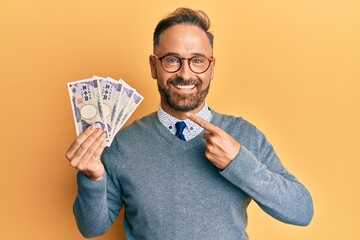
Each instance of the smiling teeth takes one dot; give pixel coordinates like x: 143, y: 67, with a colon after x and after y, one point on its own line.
x: 185, y: 86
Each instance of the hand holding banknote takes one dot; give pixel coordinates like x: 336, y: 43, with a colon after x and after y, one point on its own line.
x: 101, y: 106
x: 84, y: 153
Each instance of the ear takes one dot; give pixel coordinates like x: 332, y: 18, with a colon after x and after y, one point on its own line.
x: 152, y: 62
x: 212, y: 67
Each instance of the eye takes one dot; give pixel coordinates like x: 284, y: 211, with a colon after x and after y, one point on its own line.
x: 198, y: 60
x: 172, y: 60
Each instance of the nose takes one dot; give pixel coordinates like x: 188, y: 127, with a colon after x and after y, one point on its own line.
x: 185, y: 71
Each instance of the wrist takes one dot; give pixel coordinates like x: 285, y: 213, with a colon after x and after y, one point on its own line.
x: 95, y: 178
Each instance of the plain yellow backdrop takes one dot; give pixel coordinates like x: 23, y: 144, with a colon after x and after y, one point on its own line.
x: 292, y: 68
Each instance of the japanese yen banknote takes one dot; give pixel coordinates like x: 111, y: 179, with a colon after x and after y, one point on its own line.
x: 105, y: 102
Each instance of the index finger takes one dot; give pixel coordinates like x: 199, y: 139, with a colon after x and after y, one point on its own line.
x: 211, y: 128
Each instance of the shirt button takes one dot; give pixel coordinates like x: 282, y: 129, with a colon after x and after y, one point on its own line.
x: 191, y: 128
x: 170, y: 127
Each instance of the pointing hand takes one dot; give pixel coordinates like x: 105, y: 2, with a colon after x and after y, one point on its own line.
x: 221, y: 148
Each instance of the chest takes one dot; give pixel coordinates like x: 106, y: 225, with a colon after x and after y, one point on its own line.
x: 178, y: 180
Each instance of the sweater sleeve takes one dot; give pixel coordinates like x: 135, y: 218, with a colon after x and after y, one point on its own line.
x: 97, y: 205
x: 258, y: 172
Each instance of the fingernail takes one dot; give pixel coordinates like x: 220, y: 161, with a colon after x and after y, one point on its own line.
x: 96, y: 125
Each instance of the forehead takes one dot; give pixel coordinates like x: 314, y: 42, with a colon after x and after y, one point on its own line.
x: 184, y: 39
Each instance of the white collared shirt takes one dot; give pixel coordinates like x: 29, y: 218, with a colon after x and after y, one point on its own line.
x: 192, y: 129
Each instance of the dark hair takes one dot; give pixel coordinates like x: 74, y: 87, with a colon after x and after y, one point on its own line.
x: 183, y: 15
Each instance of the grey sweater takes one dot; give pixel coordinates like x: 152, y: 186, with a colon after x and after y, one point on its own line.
x: 171, y: 191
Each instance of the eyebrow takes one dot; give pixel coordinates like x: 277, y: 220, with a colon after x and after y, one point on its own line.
x: 178, y: 55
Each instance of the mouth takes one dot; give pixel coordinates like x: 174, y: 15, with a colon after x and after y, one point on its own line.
x: 185, y: 87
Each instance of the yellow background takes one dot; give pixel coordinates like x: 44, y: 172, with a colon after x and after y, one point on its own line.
x: 290, y: 67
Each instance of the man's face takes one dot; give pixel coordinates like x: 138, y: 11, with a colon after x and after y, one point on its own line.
x: 183, y: 90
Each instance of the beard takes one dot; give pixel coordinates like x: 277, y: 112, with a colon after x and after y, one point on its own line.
x: 183, y: 102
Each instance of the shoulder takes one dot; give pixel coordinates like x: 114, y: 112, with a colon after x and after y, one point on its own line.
x: 230, y: 122
x: 139, y: 125
x: 132, y: 136
x: 239, y: 128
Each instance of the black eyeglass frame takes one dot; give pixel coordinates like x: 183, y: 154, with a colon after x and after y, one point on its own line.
x: 182, y: 60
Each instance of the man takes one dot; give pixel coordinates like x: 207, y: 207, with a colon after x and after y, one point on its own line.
x: 186, y: 171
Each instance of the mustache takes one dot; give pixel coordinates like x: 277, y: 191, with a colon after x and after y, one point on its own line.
x: 181, y: 81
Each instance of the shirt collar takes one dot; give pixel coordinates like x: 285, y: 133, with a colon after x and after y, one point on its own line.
x: 192, y: 129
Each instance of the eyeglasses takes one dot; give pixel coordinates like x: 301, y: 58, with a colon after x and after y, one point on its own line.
x: 197, y: 64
